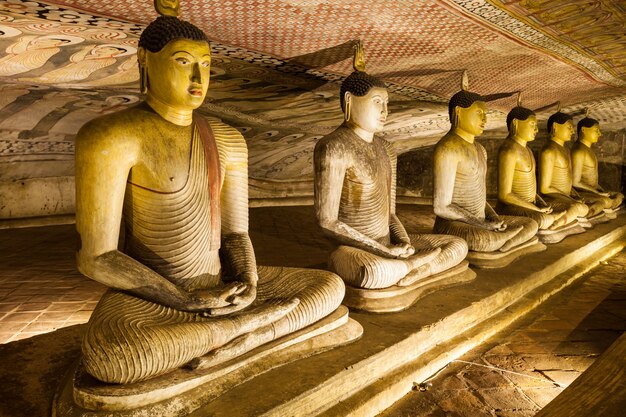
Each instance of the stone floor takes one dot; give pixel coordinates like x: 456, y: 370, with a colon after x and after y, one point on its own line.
x: 523, y: 368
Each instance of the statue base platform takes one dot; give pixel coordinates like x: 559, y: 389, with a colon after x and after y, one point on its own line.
x: 555, y: 236
x: 599, y: 218
x: 498, y: 259
x: 611, y: 214
x: 182, y: 391
x: 397, y: 298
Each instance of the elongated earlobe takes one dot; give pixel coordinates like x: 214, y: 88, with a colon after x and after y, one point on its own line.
x: 347, y: 105
x: 143, y: 70
x: 143, y: 79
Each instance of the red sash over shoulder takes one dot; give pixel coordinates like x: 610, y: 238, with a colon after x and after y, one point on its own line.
x: 214, y: 177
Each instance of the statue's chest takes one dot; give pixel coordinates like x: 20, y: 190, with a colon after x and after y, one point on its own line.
x: 525, y: 161
x: 562, y: 158
x: 473, y: 162
x: 370, y: 164
x: 591, y: 160
x: 164, y: 167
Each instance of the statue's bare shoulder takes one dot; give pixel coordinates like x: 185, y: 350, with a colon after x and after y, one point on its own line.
x: 121, y: 131
x: 337, y: 144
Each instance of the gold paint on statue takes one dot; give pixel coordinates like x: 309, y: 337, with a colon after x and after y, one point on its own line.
x: 460, y: 197
x: 585, y: 167
x: 517, y: 184
x: 167, y: 7
x: 172, y: 294
x: 555, y: 172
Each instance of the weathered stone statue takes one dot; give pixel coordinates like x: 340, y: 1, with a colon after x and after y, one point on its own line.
x: 460, y: 196
x: 555, y: 172
x: 185, y: 288
x: 355, y: 186
x: 517, y: 184
x: 585, y: 166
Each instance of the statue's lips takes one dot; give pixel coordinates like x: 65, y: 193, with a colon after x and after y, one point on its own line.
x: 195, y: 91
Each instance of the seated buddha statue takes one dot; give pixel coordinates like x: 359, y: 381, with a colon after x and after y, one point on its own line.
x: 185, y: 289
x: 355, y: 190
x: 555, y: 170
x: 460, y: 196
x: 585, y: 166
x: 517, y: 184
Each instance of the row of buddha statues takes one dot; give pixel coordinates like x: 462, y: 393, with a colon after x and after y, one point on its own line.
x: 185, y: 290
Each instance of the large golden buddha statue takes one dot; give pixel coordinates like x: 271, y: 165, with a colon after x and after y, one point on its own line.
x: 184, y: 287
x: 517, y: 183
x: 585, y: 166
x: 355, y: 190
x: 460, y: 196
x: 555, y: 170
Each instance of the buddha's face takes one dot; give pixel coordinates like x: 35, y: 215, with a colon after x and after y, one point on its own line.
x: 526, y: 129
x: 591, y: 134
x: 178, y: 75
x: 369, y: 112
x: 107, y: 51
x: 473, y: 118
x: 42, y: 43
x: 563, y: 131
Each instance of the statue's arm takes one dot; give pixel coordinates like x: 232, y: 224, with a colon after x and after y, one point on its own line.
x: 237, y: 251
x: 397, y: 231
x: 330, y: 170
x: 507, y: 161
x: 578, y: 163
x: 546, y: 169
x: 103, y: 162
x: 236, y: 245
x: 445, y: 165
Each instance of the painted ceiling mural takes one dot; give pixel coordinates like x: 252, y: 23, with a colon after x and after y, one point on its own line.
x: 277, y: 65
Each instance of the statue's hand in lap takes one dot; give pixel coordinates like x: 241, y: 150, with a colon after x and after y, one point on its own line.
x: 497, y: 225
x: 226, y: 295
x: 402, y: 251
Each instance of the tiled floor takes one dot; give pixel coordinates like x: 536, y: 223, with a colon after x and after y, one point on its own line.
x: 41, y: 290
x: 520, y: 370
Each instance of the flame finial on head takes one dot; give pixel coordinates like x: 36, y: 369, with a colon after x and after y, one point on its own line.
x: 587, y: 112
x: 167, y: 7
x: 465, y: 81
x: 519, y: 99
x: 359, y: 57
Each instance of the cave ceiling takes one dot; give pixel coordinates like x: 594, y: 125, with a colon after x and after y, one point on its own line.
x: 277, y: 65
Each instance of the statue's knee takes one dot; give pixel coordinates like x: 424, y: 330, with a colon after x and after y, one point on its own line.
x: 332, y: 283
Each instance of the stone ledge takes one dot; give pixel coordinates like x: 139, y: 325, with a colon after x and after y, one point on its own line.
x: 369, y: 375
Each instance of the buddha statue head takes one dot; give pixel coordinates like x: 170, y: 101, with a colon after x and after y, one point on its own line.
x: 174, y: 62
x: 588, y: 130
x: 561, y: 126
x: 467, y: 110
x: 363, y: 98
x: 522, y: 123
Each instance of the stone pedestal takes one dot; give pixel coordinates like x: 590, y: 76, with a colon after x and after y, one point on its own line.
x: 182, y: 391
x: 554, y: 236
x: 396, y: 298
x: 498, y: 259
